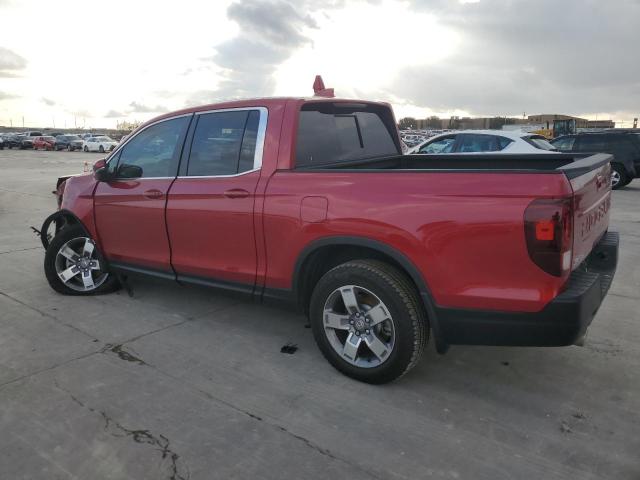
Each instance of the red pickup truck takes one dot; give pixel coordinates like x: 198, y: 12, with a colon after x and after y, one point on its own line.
x: 309, y: 201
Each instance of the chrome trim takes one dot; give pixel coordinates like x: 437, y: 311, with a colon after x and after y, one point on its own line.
x: 220, y: 176
x: 123, y: 179
x: 262, y: 130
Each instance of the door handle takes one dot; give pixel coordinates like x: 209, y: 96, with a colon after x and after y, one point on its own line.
x: 153, y: 194
x: 236, y: 193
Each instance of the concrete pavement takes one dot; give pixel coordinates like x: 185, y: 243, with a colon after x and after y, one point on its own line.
x: 179, y: 383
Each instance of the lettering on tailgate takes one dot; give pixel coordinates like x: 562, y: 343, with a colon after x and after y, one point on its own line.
x: 592, y: 218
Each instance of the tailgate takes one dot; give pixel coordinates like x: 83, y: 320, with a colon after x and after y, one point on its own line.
x: 590, y: 180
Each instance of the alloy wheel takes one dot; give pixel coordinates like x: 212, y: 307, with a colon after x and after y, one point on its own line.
x: 77, y: 265
x: 615, y: 178
x: 359, y: 326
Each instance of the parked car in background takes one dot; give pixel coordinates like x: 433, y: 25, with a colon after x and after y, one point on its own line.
x: 478, y: 141
x: 28, y: 138
x: 281, y: 199
x: 86, y: 136
x: 1, y: 143
x: 69, y: 142
x: 45, y: 142
x: 99, y: 144
x: 623, y: 145
x: 12, y: 140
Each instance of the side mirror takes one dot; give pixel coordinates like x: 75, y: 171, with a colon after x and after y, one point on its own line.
x: 102, y: 174
x: 129, y: 171
x: 102, y: 163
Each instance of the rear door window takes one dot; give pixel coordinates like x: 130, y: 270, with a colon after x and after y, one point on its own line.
x: 330, y: 133
x: 224, y: 143
x: 441, y: 145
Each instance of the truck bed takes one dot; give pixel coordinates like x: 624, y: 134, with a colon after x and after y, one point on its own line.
x: 571, y: 164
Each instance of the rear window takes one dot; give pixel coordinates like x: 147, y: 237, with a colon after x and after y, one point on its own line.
x: 330, y: 133
x: 540, y: 142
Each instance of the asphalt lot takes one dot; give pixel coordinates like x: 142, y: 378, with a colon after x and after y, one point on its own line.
x: 180, y: 382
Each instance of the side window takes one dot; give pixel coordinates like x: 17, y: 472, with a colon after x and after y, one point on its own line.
x: 565, y: 143
x: 156, y: 149
x: 621, y: 146
x: 442, y: 145
x: 592, y: 143
x: 503, y: 142
x: 470, y: 143
x: 224, y: 143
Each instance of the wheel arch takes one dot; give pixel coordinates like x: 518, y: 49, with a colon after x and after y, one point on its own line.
x: 61, y: 218
x: 323, y: 254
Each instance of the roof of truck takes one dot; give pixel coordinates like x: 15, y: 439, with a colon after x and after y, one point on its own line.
x: 261, y: 102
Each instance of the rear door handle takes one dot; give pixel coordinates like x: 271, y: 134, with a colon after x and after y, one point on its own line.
x: 153, y: 194
x: 236, y: 193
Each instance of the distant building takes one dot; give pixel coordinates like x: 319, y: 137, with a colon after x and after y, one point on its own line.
x: 547, y: 121
x: 543, y: 121
x: 467, y: 123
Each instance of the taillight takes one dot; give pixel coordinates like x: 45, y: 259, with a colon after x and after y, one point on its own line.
x: 548, y: 229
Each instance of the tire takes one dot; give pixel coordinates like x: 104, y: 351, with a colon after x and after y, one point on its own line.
x: 71, y: 240
x: 70, y: 148
x: 619, y: 177
x: 376, y: 287
x: 101, y: 149
x: 86, y: 149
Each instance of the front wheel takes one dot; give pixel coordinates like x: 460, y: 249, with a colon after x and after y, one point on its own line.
x: 368, y: 321
x: 74, y: 266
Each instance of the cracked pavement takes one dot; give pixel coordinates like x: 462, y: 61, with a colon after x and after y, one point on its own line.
x: 185, y: 383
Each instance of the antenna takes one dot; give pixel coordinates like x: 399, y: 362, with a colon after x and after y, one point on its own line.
x: 319, y: 90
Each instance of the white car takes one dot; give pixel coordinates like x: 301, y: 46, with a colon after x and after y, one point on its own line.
x: 482, y: 141
x: 99, y: 144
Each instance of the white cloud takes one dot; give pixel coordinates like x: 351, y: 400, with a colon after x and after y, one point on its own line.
x: 136, y: 59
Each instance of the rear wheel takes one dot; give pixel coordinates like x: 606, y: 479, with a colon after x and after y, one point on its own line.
x: 74, y: 266
x: 86, y: 149
x: 619, y: 177
x: 101, y: 149
x: 70, y: 148
x: 368, y: 321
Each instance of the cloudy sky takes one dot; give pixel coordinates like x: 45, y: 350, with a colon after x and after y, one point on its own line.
x: 88, y: 63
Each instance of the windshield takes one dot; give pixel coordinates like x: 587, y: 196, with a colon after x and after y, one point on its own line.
x: 540, y: 142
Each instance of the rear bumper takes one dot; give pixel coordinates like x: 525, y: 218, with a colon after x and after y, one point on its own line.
x: 564, y: 321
